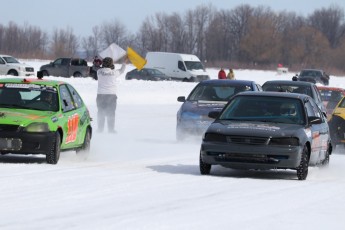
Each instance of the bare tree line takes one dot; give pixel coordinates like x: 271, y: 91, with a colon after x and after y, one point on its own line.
x: 244, y: 36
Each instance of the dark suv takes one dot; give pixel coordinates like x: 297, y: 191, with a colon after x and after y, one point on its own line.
x: 313, y: 76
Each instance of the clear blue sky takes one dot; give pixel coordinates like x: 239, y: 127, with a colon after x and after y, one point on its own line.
x: 82, y: 15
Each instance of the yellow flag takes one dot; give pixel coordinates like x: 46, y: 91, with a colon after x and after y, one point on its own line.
x: 135, y: 58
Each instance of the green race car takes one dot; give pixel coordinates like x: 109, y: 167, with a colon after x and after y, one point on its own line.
x: 42, y: 117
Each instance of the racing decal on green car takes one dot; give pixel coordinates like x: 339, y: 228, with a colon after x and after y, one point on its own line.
x: 72, y: 128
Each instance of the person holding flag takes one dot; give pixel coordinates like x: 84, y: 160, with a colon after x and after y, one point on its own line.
x: 107, y: 93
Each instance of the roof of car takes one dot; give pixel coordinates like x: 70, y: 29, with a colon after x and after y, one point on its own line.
x: 226, y: 82
x: 274, y: 94
x: 312, y: 70
x: 32, y: 80
x: 287, y: 82
x: 330, y: 88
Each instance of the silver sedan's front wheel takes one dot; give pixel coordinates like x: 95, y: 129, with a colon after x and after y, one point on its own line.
x: 302, y: 169
x: 205, y: 168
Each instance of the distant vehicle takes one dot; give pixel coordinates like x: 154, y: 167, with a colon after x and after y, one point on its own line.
x: 337, y: 124
x: 146, y: 74
x: 330, y: 97
x: 11, y: 66
x: 42, y: 117
x: 181, y: 67
x: 267, y: 130
x: 66, y: 67
x: 302, y: 87
x: 313, y: 76
x: 211, y: 95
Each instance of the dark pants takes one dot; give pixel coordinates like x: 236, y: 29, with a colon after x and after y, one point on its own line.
x: 106, y: 105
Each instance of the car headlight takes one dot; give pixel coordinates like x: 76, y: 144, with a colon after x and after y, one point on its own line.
x: 37, y: 127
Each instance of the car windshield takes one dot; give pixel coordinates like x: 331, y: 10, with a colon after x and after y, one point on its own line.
x: 310, y: 73
x: 10, y: 60
x: 330, y: 95
x: 265, y: 109
x: 342, y: 103
x: 288, y: 88
x: 28, y: 96
x: 217, y: 92
x: 154, y: 72
x: 193, y: 65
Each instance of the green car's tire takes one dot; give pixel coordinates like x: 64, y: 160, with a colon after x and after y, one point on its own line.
x: 84, y: 150
x: 52, y: 157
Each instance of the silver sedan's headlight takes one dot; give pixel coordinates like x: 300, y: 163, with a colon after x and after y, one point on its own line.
x: 37, y: 127
x: 289, y: 141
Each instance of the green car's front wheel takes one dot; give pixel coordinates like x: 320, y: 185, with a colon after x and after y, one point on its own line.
x: 52, y: 157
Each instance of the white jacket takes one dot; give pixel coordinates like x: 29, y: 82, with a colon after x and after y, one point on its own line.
x: 107, y: 79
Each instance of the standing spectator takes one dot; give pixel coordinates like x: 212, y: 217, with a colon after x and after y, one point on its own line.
x: 221, y: 74
x: 97, y: 62
x: 231, y: 74
x: 106, y: 93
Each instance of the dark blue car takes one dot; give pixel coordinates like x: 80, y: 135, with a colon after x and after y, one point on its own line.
x: 207, y: 96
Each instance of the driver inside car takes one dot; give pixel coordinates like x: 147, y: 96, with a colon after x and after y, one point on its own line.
x: 50, y: 99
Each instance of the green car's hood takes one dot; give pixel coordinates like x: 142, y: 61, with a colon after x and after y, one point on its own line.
x: 24, y: 117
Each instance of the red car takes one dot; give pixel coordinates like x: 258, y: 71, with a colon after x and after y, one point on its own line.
x: 330, y: 97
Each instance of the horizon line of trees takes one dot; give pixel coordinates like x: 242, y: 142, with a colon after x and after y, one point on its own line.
x: 244, y: 36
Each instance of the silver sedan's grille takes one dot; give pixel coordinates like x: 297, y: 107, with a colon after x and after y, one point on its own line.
x: 247, y: 140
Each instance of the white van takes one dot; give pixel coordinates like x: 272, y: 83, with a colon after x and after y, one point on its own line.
x: 182, y: 67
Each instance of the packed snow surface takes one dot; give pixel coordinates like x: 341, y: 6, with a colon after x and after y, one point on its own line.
x: 142, y: 178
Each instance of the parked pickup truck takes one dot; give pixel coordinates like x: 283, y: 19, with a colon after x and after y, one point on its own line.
x: 66, y: 67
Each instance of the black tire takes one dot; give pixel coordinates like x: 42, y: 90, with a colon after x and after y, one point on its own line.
x: 84, y: 150
x: 325, y: 162
x: 87, y: 143
x: 13, y: 73
x: 77, y: 74
x: 205, y: 168
x: 192, y: 79
x: 45, y: 73
x: 302, y: 169
x: 52, y: 157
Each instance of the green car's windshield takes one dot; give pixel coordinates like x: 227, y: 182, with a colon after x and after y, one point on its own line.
x: 28, y: 96
x: 265, y: 109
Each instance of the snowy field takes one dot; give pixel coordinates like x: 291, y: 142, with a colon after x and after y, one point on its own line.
x: 142, y: 178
